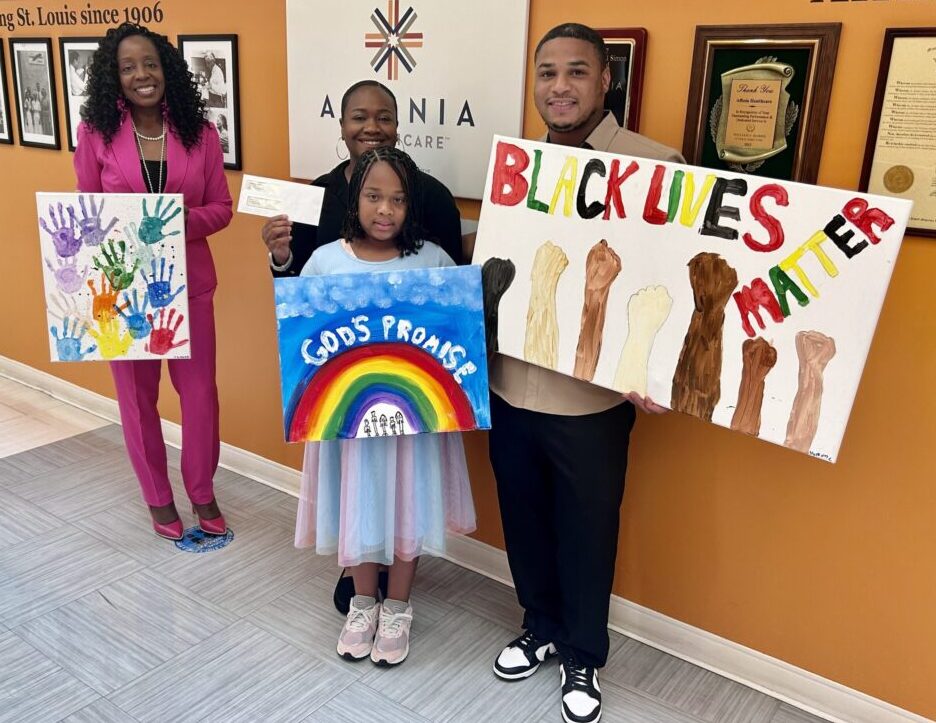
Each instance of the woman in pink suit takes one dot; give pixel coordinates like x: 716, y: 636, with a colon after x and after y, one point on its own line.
x: 144, y: 131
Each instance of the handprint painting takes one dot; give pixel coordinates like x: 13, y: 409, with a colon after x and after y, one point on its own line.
x: 743, y: 301
x: 114, y: 272
x: 383, y: 354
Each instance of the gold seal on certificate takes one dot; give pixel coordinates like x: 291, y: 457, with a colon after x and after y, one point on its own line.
x: 751, y: 120
x: 898, y: 179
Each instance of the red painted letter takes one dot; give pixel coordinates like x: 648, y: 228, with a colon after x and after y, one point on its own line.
x: 652, y: 213
x: 750, y: 299
x: 774, y: 229
x: 865, y: 218
x: 509, y: 187
x: 614, y: 188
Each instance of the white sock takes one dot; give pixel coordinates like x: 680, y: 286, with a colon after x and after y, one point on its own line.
x: 363, y: 602
x: 395, y: 606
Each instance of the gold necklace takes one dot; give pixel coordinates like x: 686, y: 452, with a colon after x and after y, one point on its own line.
x: 162, y: 154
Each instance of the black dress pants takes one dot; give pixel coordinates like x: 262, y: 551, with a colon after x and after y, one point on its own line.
x: 560, y: 481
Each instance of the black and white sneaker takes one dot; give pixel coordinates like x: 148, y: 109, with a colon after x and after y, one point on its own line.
x: 581, y: 696
x: 522, y: 657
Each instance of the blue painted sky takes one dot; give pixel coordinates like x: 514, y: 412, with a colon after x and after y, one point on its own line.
x: 458, y: 287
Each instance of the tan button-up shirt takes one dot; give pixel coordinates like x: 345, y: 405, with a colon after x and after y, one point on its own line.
x: 538, y: 389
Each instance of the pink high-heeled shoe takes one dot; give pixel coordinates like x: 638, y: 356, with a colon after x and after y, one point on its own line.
x: 170, y: 530
x: 214, y: 526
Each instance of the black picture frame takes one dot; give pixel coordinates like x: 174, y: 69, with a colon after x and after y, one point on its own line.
x: 72, y: 109
x: 224, y: 113
x: 627, y: 56
x: 43, y: 114
x: 6, y: 118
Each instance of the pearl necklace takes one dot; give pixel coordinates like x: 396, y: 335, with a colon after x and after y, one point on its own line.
x: 150, y: 138
x: 162, y: 155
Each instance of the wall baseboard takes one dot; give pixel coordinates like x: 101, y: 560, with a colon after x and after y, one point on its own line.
x: 796, y: 686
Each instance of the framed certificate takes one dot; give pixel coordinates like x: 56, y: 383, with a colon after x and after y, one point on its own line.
x: 900, y: 155
x: 758, y: 98
x: 627, y: 52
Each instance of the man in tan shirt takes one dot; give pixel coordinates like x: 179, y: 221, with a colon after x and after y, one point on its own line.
x: 558, y: 445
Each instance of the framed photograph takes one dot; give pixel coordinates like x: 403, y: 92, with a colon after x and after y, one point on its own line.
x: 900, y: 155
x: 759, y: 96
x: 6, y: 123
x: 627, y: 52
x: 213, y: 61
x: 75, y: 60
x: 34, y: 89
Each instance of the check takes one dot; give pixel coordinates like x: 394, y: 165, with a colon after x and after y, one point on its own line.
x: 272, y: 197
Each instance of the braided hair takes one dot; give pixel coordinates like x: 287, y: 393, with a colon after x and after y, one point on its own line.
x: 412, y: 234
x: 103, y: 110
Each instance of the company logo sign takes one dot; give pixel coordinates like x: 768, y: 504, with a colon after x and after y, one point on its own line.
x: 393, y: 40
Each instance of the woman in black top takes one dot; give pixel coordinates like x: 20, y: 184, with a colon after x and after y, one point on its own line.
x: 368, y: 120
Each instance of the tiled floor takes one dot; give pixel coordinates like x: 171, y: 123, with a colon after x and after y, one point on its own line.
x: 102, y: 621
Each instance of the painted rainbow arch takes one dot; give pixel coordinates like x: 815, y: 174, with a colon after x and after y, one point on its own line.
x: 331, y: 400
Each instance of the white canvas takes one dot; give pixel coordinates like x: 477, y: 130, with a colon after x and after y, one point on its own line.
x: 115, y: 275
x: 456, y: 68
x: 803, y: 403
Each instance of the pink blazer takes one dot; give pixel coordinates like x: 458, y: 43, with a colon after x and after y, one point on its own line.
x: 197, y: 174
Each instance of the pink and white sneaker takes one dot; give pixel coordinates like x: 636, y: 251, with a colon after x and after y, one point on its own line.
x: 391, y: 646
x: 357, y: 635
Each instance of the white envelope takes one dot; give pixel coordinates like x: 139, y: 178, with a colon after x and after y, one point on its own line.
x: 271, y: 197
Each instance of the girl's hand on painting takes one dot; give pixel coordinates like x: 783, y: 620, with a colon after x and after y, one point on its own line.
x: 276, y: 234
x: 645, y: 404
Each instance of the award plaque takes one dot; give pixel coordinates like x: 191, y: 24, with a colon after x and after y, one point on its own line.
x: 627, y: 52
x: 758, y: 98
x: 900, y: 155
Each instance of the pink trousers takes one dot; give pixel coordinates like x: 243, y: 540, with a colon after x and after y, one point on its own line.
x: 137, y: 385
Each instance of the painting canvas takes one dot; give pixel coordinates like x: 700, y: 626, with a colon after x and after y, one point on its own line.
x: 748, y: 302
x: 382, y: 354
x: 115, y: 275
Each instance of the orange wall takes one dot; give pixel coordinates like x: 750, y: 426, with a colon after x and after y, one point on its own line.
x: 828, y: 567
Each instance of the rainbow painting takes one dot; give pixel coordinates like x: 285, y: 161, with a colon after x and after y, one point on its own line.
x: 382, y: 354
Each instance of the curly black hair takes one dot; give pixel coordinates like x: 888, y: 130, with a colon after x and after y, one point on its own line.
x: 102, y: 112
x: 413, y: 234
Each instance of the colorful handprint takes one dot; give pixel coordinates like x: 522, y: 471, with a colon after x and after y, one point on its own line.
x: 113, y: 265
x: 104, y: 305
x: 63, y: 235
x: 164, y: 331
x: 68, y: 345
x: 90, y: 223
x: 109, y: 339
x: 158, y: 287
x: 67, y: 276
x: 144, y: 250
x: 137, y: 323
x: 151, y: 227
